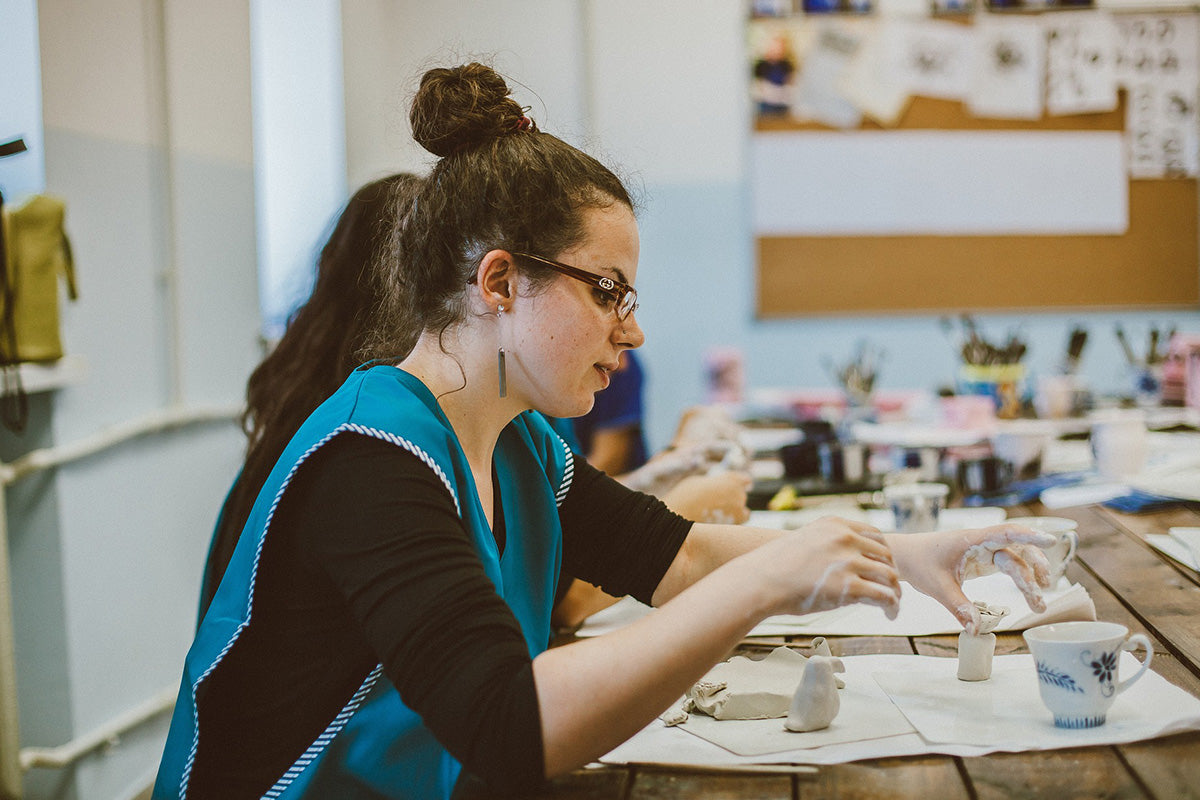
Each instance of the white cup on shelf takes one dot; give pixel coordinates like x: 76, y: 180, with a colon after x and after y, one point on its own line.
x: 1119, y: 443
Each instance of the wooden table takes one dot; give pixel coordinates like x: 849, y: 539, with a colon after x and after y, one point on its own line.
x: 1130, y: 582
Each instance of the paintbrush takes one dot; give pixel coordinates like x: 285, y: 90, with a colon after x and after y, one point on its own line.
x: 1129, y: 355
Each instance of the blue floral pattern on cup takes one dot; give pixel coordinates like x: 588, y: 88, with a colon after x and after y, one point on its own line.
x: 1103, y: 668
x: 1060, y: 679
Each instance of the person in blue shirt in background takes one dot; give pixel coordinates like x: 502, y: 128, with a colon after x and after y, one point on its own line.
x: 701, y: 475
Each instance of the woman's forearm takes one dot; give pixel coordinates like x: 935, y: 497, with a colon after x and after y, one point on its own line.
x: 706, y: 548
x: 595, y: 693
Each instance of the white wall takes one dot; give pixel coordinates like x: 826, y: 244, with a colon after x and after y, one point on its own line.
x: 299, y: 139
x: 147, y: 136
x: 390, y: 43
x: 660, y: 84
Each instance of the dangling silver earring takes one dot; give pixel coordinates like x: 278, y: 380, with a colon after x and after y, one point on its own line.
x: 500, y: 362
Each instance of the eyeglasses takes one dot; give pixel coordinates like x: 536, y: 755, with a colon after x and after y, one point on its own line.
x: 624, y: 296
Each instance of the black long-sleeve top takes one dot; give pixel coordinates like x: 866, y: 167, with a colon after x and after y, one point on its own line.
x: 367, y: 562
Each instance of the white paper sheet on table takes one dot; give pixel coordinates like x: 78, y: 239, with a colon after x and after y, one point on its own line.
x: 1173, y: 548
x: 1007, y: 713
x: 865, y: 713
x: 1151, y: 707
x: 920, y: 615
x: 948, y: 520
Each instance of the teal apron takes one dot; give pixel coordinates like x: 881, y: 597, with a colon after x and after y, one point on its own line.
x: 376, y: 747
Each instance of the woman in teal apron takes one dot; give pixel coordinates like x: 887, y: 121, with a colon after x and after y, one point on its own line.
x: 382, y: 622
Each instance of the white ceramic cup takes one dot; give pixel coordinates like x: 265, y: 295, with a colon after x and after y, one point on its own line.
x: 1022, y: 444
x: 1055, y: 396
x: 1077, y: 668
x: 916, y: 506
x: 1063, y: 551
x: 1119, y: 443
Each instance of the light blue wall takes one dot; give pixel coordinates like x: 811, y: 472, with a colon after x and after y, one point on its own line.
x: 20, y: 99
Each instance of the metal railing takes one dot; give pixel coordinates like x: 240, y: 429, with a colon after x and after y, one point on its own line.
x: 14, y: 760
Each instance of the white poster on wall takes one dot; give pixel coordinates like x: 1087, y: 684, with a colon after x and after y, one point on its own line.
x: 1008, y: 68
x: 929, y: 183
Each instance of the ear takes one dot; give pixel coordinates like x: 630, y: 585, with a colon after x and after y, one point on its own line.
x: 497, y: 278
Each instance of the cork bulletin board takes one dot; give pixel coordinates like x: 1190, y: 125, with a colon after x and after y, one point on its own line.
x: 1153, y: 263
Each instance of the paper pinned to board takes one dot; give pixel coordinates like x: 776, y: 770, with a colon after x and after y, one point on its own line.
x: 1008, y: 68
x: 866, y: 81
x: 817, y: 96
x: 1081, y: 73
x: 1158, y: 66
x: 929, y: 57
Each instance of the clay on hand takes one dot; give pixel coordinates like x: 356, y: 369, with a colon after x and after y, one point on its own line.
x: 989, y: 616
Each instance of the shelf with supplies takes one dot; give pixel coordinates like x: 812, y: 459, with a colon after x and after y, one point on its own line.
x: 35, y: 378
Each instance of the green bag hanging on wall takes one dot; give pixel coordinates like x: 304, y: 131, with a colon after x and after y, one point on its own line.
x: 37, y: 255
x: 34, y: 255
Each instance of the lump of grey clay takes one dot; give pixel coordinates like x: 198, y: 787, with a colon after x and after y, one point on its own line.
x: 676, y: 715
x: 816, y: 701
x: 741, y: 688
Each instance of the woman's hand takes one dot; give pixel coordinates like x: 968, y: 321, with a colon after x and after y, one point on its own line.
x: 719, y: 497
x: 827, y: 564
x: 937, y: 563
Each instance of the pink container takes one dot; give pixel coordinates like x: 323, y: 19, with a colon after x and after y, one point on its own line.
x: 968, y: 411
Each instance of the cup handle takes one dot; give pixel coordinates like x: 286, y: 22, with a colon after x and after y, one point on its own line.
x: 1073, y: 539
x: 1131, y: 645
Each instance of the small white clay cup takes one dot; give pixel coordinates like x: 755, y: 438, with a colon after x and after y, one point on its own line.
x: 1077, y: 668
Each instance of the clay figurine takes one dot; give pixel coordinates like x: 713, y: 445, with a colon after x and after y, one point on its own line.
x: 975, y: 651
x: 816, y: 701
x: 820, y: 646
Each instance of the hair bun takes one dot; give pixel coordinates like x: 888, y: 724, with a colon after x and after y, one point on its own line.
x: 463, y: 107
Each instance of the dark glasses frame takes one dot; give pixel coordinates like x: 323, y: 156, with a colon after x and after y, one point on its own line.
x: 624, y: 295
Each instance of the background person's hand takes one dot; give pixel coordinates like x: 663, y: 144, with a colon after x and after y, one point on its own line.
x: 701, y: 425
x: 719, y: 497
